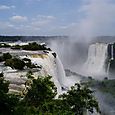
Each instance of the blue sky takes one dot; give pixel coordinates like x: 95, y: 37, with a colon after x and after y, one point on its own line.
x: 57, y: 17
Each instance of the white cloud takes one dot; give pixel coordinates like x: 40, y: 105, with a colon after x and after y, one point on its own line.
x: 5, y: 7
x: 41, y: 20
x: 43, y: 17
x: 18, y: 18
x: 99, y: 18
x: 5, y: 25
x: 33, y: 0
x: 70, y: 29
x: 6, y: 28
x: 20, y: 25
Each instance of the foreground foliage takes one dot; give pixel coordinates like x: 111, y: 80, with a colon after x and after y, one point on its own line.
x: 79, y: 99
x: 40, y: 99
x: 7, y: 101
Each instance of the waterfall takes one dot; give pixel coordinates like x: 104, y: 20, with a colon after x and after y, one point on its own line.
x: 112, y: 53
x: 96, y: 62
x: 51, y: 66
x: 108, y: 67
x: 60, y: 72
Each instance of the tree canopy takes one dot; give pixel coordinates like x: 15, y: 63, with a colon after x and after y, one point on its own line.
x: 7, y: 101
x: 40, y: 99
x: 31, y: 46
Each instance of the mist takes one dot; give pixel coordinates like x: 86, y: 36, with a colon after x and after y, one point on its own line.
x: 97, y: 20
x: 72, y: 54
x: 106, y: 102
x: 97, y: 25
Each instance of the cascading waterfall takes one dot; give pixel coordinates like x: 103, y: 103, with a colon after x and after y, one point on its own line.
x: 112, y: 57
x: 108, y: 67
x: 60, y: 72
x: 51, y: 66
x: 96, y: 62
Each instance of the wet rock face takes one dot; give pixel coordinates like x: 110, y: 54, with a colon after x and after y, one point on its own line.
x: 111, y: 59
x: 54, y: 54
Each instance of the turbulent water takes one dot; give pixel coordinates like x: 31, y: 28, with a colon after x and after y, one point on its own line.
x: 51, y: 66
x: 60, y: 72
x: 96, y: 61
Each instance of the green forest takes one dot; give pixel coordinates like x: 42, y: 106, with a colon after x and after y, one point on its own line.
x: 41, y: 99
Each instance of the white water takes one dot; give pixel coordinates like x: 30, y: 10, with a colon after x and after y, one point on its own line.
x: 97, y: 55
x: 54, y: 67
x: 51, y: 66
x: 112, y: 57
x: 60, y: 72
x: 66, y: 82
x: 108, y: 67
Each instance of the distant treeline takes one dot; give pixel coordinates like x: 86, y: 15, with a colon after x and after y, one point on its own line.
x: 28, y: 38
x: 10, y: 38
